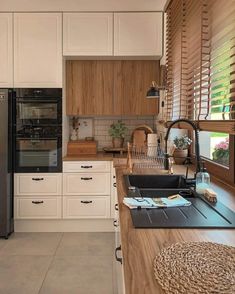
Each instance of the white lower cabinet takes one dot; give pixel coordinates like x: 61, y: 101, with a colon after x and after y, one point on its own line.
x: 38, y: 207
x: 83, y: 191
x: 86, y: 207
x: 87, y: 190
x: 44, y: 184
x: 86, y: 183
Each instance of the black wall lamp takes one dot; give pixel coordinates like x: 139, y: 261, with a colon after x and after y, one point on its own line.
x: 154, y: 91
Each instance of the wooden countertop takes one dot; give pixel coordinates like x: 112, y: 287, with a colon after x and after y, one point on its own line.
x: 99, y: 156
x: 140, y: 246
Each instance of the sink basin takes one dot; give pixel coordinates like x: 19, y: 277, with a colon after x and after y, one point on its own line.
x: 200, y: 214
x: 156, y: 181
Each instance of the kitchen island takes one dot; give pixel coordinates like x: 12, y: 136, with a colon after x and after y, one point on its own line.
x: 140, y: 246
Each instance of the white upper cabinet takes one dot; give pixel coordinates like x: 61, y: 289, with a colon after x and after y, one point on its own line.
x: 38, y: 50
x: 138, y: 34
x: 6, y: 50
x: 88, y: 34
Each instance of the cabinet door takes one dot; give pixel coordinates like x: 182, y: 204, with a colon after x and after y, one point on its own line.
x: 86, y: 184
x: 38, y: 50
x: 6, y: 50
x: 38, y: 184
x: 86, y: 207
x: 89, y: 87
x: 138, y: 34
x: 132, y: 79
x: 38, y: 208
x: 81, y: 30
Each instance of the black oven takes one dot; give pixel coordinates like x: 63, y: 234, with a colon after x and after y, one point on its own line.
x: 38, y: 149
x: 38, y: 106
x: 38, y: 130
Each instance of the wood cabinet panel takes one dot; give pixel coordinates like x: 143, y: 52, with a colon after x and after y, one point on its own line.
x: 113, y: 87
x: 131, y: 82
x: 89, y: 87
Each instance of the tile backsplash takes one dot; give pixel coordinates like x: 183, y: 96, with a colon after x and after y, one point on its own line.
x: 101, y: 126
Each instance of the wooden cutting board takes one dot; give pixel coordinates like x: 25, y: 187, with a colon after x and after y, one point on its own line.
x: 139, y: 137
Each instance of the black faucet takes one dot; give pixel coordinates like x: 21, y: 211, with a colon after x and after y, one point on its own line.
x: 196, y: 141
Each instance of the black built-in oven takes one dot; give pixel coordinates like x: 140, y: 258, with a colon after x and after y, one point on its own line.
x: 38, y: 106
x: 38, y: 130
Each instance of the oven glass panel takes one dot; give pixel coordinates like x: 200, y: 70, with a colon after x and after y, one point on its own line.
x: 37, y: 111
x: 37, y: 152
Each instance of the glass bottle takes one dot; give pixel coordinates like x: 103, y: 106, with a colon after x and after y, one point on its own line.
x: 202, y: 181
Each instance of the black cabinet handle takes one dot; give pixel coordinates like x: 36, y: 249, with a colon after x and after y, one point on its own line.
x: 37, y: 202
x: 86, y: 166
x: 115, y: 185
x: 86, y: 179
x: 115, y: 223
x: 86, y: 202
x: 119, y: 259
x: 116, y: 206
x: 37, y: 179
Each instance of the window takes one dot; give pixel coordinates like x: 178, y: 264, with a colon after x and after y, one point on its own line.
x: 201, y: 74
x: 215, y: 147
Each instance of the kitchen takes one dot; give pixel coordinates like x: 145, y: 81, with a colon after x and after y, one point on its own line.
x: 70, y: 70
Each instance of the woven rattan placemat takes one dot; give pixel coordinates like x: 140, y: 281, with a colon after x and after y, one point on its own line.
x: 196, y: 267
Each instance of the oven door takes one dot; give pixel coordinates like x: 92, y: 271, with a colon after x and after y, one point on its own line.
x: 38, y: 111
x: 38, y: 155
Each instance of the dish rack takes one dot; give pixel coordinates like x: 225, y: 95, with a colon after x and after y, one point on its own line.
x: 146, y: 157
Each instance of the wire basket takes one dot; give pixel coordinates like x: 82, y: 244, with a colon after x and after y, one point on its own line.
x: 145, y: 157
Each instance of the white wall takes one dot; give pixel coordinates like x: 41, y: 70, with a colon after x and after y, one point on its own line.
x: 82, y: 5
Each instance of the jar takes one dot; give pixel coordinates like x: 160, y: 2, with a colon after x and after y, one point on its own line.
x: 202, y: 181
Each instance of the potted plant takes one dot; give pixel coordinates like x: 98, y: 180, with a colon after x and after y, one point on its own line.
x: 221, y: 152
x: 181, y: 148
x: 117, y: 131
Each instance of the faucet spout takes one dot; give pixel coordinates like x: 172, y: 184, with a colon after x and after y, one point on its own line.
x: 196, y: 142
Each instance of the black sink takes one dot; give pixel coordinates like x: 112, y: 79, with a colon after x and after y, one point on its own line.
x: 200, y: 214
x: 156, y: 181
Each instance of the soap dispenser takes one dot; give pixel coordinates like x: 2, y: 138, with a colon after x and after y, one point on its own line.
x: 202, y: 180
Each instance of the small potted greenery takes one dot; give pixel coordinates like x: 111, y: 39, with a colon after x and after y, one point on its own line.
x: 117, y: 131
x: 181, y: 148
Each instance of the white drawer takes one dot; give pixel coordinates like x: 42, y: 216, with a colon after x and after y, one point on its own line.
x: 86, y: 183
x: 86, y: 207
x: 38, y: 184
x: 38, y: 207
x: 86, y: 166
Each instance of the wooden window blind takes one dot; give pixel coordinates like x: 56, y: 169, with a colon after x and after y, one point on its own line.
x: 201, y: 63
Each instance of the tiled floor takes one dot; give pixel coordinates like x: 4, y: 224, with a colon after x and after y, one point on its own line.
x: 57, y: 263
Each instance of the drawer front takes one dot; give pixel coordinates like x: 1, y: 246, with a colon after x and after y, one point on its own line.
x: 86, y: 183
x: 86, y: 207
x: 86, y: 166
x: 38, y: 207
x: 38, y: 184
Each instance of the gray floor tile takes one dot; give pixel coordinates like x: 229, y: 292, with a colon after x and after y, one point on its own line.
x: 79, y: 275
x: 92, y: 244
x: 22, y: 274
x: 31, y: 244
